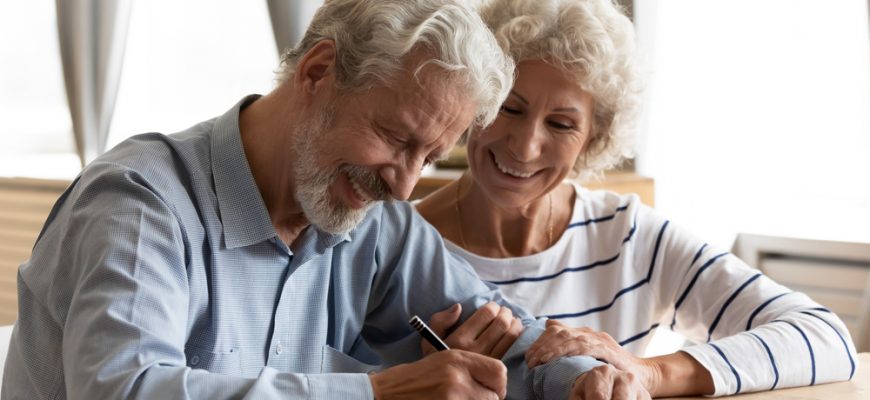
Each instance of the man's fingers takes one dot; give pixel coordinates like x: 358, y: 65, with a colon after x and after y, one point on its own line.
x: 599, y: 386
x: 442, y: 321
x: 479, y: 391
x: 624, y: 387
x: 477, y: 322
x: 606, y: 382
x: 498, y: 327
x: 508, y: 339
x: 489, y: 372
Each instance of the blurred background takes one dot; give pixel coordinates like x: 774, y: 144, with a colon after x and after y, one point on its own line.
x: 757, y: 115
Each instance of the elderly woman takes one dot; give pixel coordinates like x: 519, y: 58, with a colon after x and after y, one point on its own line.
x: 604, y: 268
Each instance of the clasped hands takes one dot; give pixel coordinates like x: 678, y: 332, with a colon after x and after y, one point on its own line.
x: 472, y: 369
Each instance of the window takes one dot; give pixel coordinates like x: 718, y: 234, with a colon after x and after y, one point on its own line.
x: 185, y: 62
x: 758, y: 116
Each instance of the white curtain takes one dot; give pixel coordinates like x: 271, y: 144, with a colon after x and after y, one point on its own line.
x: 290, y: 19
x: 92, y: 38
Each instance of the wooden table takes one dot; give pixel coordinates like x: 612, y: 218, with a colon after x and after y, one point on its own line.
x: 857, y: 388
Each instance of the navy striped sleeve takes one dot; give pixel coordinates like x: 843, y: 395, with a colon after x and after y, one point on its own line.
x: 733, y: 370
x: 840, y: 335
x: 692, y: 284
x: 772, y: 361
x: 809, y: 347
x: 728, y: 303
x: 761, y: 307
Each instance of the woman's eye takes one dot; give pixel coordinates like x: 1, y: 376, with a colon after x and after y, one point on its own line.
x: 509, y: 110
x: 560, y: 126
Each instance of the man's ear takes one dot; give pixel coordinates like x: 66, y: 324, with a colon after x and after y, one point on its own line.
x: 316, y: 70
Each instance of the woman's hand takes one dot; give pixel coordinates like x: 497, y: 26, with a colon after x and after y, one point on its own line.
x: 560, y: 340
x: 605, y: 382
x: 490, y: 331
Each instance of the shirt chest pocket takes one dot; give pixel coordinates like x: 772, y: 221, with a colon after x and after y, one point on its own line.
x: 336, y: 361
x: 223, y: 361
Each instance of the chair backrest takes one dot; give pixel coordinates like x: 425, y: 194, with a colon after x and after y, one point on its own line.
x: 835, y: 274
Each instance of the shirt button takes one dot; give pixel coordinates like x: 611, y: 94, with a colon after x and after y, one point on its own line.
x: 194, y: 360
x: 279, y: 348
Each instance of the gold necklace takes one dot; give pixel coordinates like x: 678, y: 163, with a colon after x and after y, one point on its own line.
x: 459, y: 216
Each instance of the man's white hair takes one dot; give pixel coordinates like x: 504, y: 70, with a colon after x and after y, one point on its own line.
x: 373, y: 38
x: 594, y: 41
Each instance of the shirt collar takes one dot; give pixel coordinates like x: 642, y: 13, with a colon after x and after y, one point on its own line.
x: 243, y: 212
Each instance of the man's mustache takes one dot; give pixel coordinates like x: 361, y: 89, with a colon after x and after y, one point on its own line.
x: 369, y: 181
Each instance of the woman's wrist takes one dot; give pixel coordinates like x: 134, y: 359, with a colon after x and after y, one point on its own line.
x: 677, y: 374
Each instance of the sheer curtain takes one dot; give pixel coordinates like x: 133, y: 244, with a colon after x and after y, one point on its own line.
x: 757, y: 116
x: 290, y: 19
x: 184, y: 62
x: 188, y: 61
x: 92, y: 36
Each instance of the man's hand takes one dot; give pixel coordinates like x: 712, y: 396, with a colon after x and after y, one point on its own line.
x: 490, y: 331
x: 451, y: 374
x: 606, y: 382
x: 560, y: 340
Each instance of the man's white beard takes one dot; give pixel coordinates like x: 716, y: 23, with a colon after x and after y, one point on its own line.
x: 313, y: 182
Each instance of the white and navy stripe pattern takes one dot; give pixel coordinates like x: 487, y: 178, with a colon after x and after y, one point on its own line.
x: 623, y: 269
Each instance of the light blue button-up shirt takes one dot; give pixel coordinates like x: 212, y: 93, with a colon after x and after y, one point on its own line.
x: 159, y: 275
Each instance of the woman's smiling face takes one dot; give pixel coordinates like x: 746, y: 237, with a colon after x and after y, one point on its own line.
x: 543, y: 127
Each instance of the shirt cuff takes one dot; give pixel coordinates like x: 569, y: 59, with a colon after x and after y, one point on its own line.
x: 708, y: 357
x: 555, y: 379
x: 340, y: 386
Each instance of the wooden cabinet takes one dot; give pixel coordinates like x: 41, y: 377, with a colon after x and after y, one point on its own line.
x: 24, y: 206
x: 620, y: 182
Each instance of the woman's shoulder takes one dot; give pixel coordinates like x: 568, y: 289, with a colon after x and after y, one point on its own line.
x: 600, y: 203
x: 439, y: 210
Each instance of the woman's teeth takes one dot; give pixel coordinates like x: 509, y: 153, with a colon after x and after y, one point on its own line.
x: 513, y: 172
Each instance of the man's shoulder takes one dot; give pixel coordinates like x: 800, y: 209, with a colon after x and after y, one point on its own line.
x: 399, y: 216
x: 390, y: 224
x: 153, y: 151
x: 161, y: 162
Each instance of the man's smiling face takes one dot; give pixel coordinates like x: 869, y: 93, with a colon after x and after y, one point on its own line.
x: 368, y: 147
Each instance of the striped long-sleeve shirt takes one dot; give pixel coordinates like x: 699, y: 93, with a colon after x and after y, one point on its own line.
x: 622, y: 268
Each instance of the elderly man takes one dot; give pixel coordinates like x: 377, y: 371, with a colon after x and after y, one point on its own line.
x: 253, y: 254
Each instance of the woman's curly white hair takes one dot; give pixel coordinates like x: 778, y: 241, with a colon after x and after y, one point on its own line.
x: 594, y: 41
